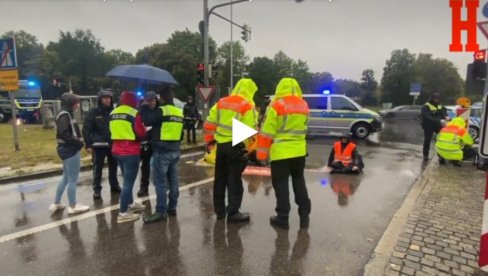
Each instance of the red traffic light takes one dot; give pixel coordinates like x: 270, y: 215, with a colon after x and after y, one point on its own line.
x: 200, y: 67
x: 480, y: 55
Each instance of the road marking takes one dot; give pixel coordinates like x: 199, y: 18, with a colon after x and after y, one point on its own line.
x: 83, y: 176
x: 94, y: 213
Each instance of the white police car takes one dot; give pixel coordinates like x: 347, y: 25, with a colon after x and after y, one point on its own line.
x: 338, y: 113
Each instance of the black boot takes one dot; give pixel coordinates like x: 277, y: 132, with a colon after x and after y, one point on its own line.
x: 142, y: 193
x: 238, y: 217
x: 304, y: 222
x: 279, y: 222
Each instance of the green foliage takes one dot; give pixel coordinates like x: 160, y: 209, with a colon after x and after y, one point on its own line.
x: 240, y: 59
x: 436, y: 75
x: 265, y: 75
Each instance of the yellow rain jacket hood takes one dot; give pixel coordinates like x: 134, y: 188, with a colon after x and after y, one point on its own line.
x: 459, y: 122
x: 287, y: 87
x: 245, y: 88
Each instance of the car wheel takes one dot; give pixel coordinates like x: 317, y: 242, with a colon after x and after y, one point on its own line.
x: 360, y: 130
x: 474, y: 132
x: 390, y: 115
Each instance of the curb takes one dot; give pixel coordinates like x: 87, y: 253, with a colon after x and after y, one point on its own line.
x: 380, y: 257
x: 49, y: 173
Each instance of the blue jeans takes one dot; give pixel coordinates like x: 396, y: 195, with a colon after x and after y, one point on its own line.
x: 165, y: 176
x: 71, y: 171
x: 129, y: 165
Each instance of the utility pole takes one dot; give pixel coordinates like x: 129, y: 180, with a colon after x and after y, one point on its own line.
x: 231, y: 49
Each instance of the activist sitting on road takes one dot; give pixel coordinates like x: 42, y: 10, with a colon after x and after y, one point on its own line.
x: 454, y: 143
x: 69, y: 145
x: 344, y: 156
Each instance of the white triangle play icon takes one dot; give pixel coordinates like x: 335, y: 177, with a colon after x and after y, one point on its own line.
x: 240, y: 132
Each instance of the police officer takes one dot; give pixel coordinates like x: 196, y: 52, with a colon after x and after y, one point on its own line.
x: 230, y: 161
x: 96, y: 134
x: 166, y: 136
x: 432, y: 114
x: 147, y: 109
x: 282, y: 139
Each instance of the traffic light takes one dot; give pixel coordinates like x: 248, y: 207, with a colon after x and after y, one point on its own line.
x: 246, y: 33
x: 213, y: 71
x: 200, y: 73
x: 479, y: 65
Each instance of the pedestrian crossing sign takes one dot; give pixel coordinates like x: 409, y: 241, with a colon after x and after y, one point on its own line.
x: 8, y: 57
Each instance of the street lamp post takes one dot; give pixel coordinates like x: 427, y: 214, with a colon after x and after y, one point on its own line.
x: 206, y: 17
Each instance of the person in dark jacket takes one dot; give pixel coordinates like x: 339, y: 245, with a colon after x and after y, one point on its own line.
x: 96, y: 134
x: 432, y: 113
x: 69, y: 140
x: 344, y: 156
x: 191, y: 114
x: 147, y: 110
x: 166, y: 136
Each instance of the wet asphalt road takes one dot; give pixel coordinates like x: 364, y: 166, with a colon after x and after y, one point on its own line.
x: 349, y: 215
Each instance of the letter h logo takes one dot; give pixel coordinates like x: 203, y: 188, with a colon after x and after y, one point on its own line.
x: 459, y: 25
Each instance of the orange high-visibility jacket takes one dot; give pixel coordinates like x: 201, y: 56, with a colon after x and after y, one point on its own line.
x: 343, y: 156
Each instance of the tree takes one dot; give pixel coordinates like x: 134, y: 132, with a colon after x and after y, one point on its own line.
x: 179, y: 56
x: 320, y: 82
x: 349, y: 88
x: 283, y: 65
x: 118, y: 57
x: 264, y: 74
x: 397, y: 75
x: 437, y: 75
x: 369, y: 86
x: 81, y: 60
x: 240, y: 59
x: 301, y: 72
x: 29, y: 53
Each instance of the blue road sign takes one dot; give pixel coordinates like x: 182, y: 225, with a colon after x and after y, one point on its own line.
x: 8, y: 57
x: 485, y: 10
x: 415, y: 87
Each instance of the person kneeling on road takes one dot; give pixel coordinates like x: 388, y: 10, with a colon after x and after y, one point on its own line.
x: 454, y: 143
x: 344, y: 156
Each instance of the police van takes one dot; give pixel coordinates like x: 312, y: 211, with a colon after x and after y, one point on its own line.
x: 338, y: 113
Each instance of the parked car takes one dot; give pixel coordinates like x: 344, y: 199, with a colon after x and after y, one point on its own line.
x: 338, y: 113
x: 474, y: 119
x: 402, y: 111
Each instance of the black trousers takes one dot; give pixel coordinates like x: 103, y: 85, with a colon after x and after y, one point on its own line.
x: 281, y: 171
x: 428, y: 134
x: 229, y: 165
x: 98, y: 159
x: 190, y: 130
x: 146, y: 153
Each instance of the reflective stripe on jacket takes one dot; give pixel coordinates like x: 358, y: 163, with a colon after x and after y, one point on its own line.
x: 343, y: 155
x: 284, y: 129
x: 239, y: 105
x: 122, y: 120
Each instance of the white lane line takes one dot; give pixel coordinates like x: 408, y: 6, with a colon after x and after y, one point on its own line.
x: 107, y: 209
x: 83, y: 176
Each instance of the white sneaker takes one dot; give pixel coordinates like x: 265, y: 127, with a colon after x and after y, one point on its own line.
x: 137, y: 207
x: 125, y: 217
x: 79, y: 208
x: 56, y: 207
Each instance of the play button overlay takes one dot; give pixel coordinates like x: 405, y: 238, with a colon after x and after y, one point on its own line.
x: 240, y: 132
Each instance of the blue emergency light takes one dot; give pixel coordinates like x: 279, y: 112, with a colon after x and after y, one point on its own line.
x: 31, y: 83
x: 326, y: 91
x: 139, y: 93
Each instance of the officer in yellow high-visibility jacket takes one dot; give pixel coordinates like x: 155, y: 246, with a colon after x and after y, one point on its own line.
x: 282, y: 137
x: 230, y: 161
x: 454, y: 142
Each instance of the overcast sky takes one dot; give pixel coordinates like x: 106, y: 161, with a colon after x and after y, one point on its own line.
x: 343, y: 37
